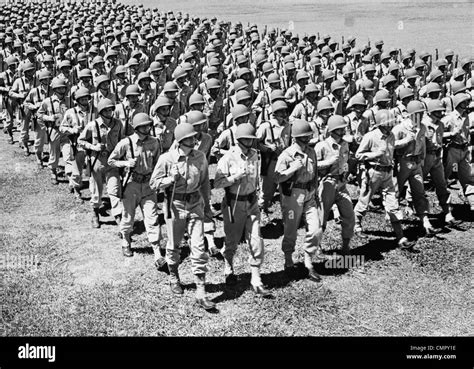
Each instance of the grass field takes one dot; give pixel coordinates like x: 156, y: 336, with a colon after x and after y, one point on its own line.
x: 61, y: 277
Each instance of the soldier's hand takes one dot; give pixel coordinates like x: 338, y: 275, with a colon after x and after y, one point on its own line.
x: 410, y: 137
x: 241, y: 173
x: 97, y: 147
x: 174, y: 173
x: 272, y: 147
x: 297, y: 165
x: 131, y: 162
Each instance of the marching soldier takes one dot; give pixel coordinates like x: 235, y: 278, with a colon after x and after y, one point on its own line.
x: 410, y: 151
x: 238, y: 173
x: 296, y: 173
x: 333, y: 155
x: 139, y: 153
x: 183, y: 174
x: 74, y: 121
x: 457, y: 134
x: 50, y: 115
x: 100, y: 137
x: 376, y: 152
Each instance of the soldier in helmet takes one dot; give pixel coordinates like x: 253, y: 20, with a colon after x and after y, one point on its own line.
x: 33, y: 102
x: 102, y: 85
x: 381, y: 100
x: 100, y: 137
x: 410, y: 151
x: 306, y: 109
x: 333, y: 155
x: 433, y: 164
x: 73, y: 123
x: 325, y: 109
x: 18, y: 93
x: 376, y: 152
x: 139, y: 153
x: 164, y: 124
x: 457, y: 134
x: 50, y: 115
x: 296, y: 173
x: 177, y: 107
x: 238, y: 173
x: 183, y: 174
x: 273, y: 137
x: 128, y: 108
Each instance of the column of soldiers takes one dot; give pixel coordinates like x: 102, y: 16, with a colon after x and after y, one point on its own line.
x: 141, y: 101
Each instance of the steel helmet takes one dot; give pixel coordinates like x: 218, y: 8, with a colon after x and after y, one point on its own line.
x: 457, y: 87
x: 290, y: 66
x: 435, y: 73
x: 302, y: 75
x: 131, y: 62
x: 367, y: 85
x: 301, y: 128
x: 65, y: 64
x: 28, y: 66
x: 240, y: 84
x: 434, y: 105
x: 213, y: 83
x: 315, y: 62
x: 267, y: 67
x: 311, y: 88
x: 240, y: 110
x: 81, y: 57
x: 170, y: 87
x: 142, y: 76
x: 276, y: 95
x: 357, y: 100
x: 58, y: 83
x: 195, y: 117
x: 337, y: 85
x: 369, y: 68
x: 141, y: 119
x: 105, y: 104
x: 279, y: 105
x: 81, y: 92
x: 196, y: 98
x: 419, y: 64
x: 179, y: 72
x: 324, y: 104
x: 85, y: 73
x: 405, y: 92
x: 336, y: 122
x: 384, y: 117
x: 273, y: 78
x: 415, y: 106
x: 11, y: 60
x: 183, y: 131
x: 389, y: 78
x: 411, y: 74
x: 44, y: 74
x: 132, y: 90
x: 245, y: 130
x: 101, y: 79
x: 162, y: 101
x: 348, y: 69
x: 381, y: 95
x: 459, y: 98
x: 243, y: 72
x: 432, y: 87
x: 155, y: 67
x: 242, y: 95
x: 212, y: 71
x: 328, y: 74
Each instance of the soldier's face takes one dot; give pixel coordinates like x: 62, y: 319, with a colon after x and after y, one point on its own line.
x: 133, y: 99
x: 107, y: 113
x: 83, y: 101
x: 104, y: 86
x: 198, y: 107
x: 163, y: 111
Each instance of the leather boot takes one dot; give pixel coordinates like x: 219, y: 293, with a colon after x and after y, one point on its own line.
x: 54, y: 177
x: 346, y: 248
x: 201, y: 299
x: 126, y: 246
x: 95, y: 218
x: 308, y: 263
x: 175, y: 284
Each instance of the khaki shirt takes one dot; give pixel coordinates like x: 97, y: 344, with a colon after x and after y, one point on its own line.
x: 229, y: 165
x: 193, y: 171
x: 308, y: 173
x: 375, y: 142
x: 435, y: 130
x: 454, y: 121
x: 326, y: 150
x: 145, y: 151
x: 415, y: 147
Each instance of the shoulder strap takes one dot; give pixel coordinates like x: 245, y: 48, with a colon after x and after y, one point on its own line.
x: 52, y: 105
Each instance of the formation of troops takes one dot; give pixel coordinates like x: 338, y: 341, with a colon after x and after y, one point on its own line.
x: 141, y: 101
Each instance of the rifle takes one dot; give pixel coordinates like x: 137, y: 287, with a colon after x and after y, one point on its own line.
x: 229, y: 204
x: 456, y: 62
x: 318, y: 36
x: 437, y: 54
x: 130, y: 170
